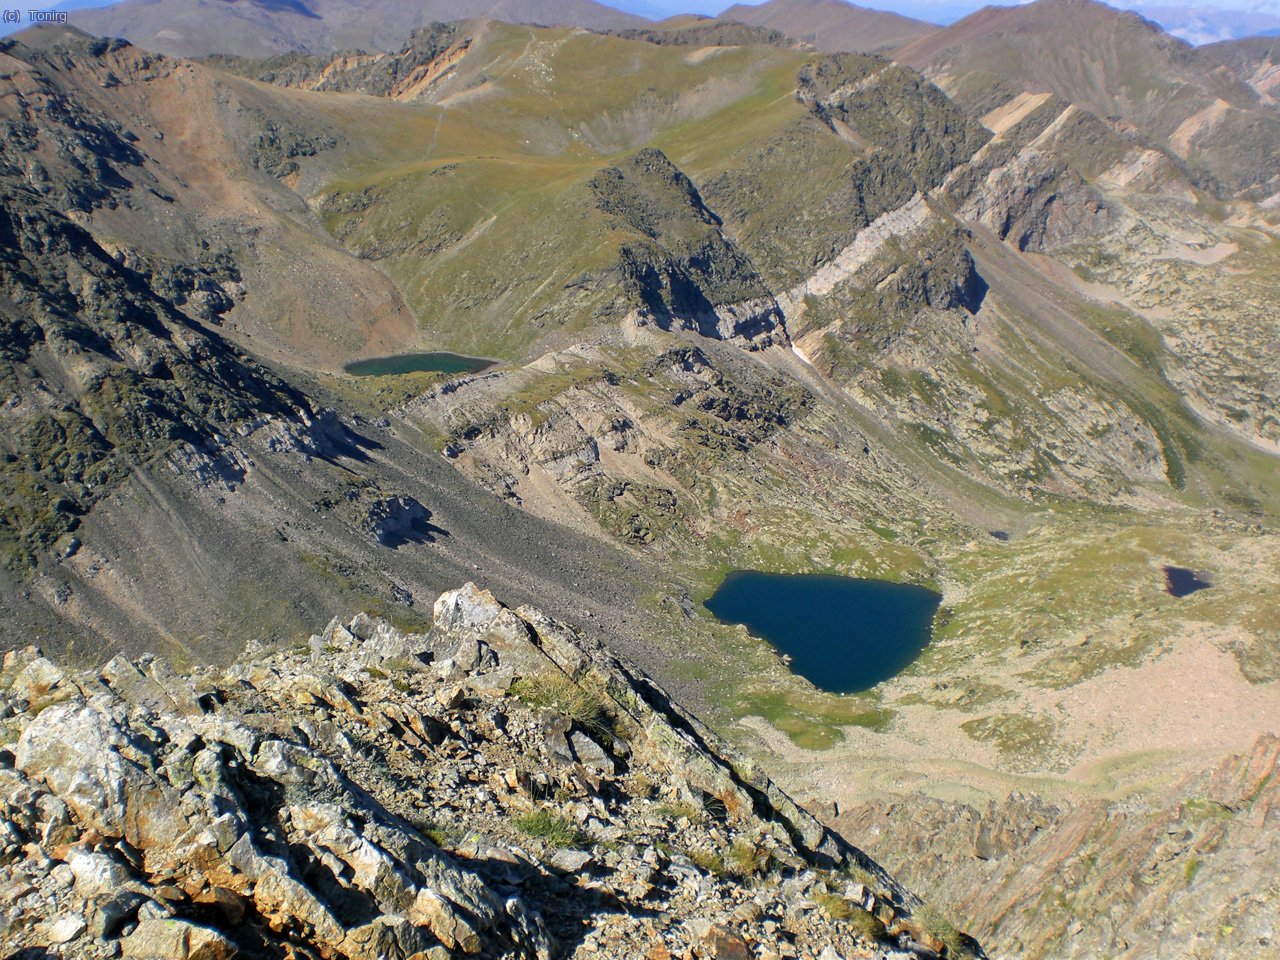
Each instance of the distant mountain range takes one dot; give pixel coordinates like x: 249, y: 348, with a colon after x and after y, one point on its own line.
x: 270, y: 27
x: 1194, y: 22
x: 1123, y: 67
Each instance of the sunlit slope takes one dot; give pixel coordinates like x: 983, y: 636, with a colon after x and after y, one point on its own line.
x: 485, y: 214
x: 260, y: 28
x: 492, y: 163
x: 496, y: 187
x: 832, y: 25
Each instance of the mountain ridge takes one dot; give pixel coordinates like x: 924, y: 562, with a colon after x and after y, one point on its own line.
x: 832, y: 25
x: 228, y: 834
x: 1118, y: 64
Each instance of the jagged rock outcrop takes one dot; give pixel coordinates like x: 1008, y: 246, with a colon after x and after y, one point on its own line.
x: 1026, y: 184
x: 393, y: 520
x: 681, y: 270
x: 407, y: 74
x: 501, y: 786
x: 912, y: 133
x: 621, y: 457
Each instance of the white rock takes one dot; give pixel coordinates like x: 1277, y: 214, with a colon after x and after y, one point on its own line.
x: 95, y: 874
x: 67, y: 929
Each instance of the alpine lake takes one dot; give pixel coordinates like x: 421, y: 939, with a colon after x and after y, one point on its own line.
x: 842, y: 634
x: 417, y: 363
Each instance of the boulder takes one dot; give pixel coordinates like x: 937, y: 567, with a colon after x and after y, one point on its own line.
x: 67, y: 928
x: 83, y: 753
x: 379, y: 642
x: 590, y: 754
x: 570, y: 861
x: 172, y: 939
x: 724, y: 944
x: 434, y: 912
x: 108, y: 913
x: 386, y: 938
x: 37, y: 680
x: 472, y: 618
x: 96, y: 873
x: 397, y: 520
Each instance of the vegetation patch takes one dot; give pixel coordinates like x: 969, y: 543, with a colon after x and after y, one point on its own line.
x: 958, y: 944
x: 632, y: 511
x: 746, y: 858
x: 552, y: 828
x: 1021, y: 738
x: 559, y: 693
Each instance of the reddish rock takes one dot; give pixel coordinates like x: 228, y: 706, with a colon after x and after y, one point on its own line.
x: 724, y: 944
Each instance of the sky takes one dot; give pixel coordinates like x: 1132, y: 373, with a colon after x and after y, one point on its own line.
x: 668, y: 7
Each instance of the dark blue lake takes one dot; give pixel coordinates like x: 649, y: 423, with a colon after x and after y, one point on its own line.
x: 843, y: 634
x: 417, y: 363
x: 1180, y: 582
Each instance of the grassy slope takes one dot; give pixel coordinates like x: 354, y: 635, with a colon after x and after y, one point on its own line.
x: 503, y: 180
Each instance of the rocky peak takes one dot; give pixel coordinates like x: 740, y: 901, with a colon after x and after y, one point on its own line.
x: 499, y: 786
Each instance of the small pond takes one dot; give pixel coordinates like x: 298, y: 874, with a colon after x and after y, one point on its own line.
x: 841, y: 634
x: 417, y: 363
x: 1179, y: 581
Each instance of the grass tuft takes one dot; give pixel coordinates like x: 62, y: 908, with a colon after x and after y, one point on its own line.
x: 553, y: 829
x: 835, y: 906
x: 674, y: 810
x: 559, y: 693
x: 710, y: 862
x: 867, y: 925
x: 958, y: 944
x: 747, y: 858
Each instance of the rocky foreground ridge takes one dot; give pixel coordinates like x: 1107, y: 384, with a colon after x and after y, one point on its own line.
x: 499, y: 787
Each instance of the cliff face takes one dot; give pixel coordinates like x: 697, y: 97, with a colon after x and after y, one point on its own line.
x: 500, y: 786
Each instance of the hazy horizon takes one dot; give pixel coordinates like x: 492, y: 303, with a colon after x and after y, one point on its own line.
x: 1202, y: 22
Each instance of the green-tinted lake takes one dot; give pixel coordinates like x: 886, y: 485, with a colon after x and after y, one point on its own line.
x: 842, y: 634
x: 417, y: 363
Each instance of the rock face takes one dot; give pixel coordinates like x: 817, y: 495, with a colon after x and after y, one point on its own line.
x: 680, y: 269
x: 500, y: 786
